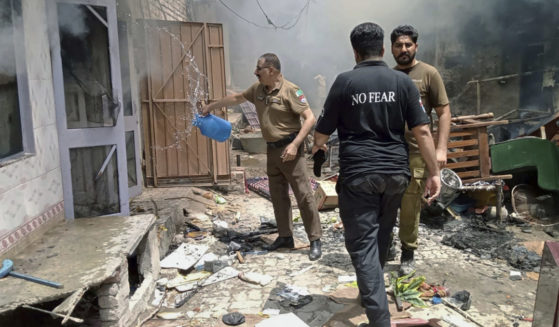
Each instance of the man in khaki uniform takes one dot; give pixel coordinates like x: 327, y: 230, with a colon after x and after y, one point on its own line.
x: 433, y: 95
x: 280, y: 105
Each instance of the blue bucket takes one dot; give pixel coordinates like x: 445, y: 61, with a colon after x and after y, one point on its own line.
x: 213, y: 127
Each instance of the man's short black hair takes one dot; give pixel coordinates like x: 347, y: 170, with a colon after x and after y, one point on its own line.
x: 404, y: 30
x: 367, y: 40
x: 272, y: 60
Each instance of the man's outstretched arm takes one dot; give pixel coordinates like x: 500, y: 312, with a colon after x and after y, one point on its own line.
x: 229, y: 100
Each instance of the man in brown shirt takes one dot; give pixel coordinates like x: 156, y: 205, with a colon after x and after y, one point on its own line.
x: 280, y: 105
x: 433, y: 95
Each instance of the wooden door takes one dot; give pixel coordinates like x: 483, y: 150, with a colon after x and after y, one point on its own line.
x: 186, y: 65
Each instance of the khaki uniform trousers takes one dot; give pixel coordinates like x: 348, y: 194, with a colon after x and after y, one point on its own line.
x: 411, y: 203
x: 292, y: 173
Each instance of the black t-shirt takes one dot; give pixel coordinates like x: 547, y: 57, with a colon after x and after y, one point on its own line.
x: 369, y: 106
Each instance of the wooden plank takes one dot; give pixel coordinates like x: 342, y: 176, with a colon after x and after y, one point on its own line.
x: 217, y: 59
x: 462, y: 133
x: 480, y: 124
x: 191, y: 156
x: 210, y: 75
x: 467, y: 174
x: 484, y: 160
x: 203, y: 143
x: 159, y: 121
x: 177, y: 55
x: 462, y: 154
x: 487, y: 179
x: 167, y: 43
x: 481, y: 116
x: 460, y: 144
x: 198, y: 141
x: 463, y: 164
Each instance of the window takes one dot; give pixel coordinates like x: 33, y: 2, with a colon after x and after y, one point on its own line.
x: 15, y: 122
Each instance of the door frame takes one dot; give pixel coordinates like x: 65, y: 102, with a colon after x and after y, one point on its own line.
x: 88, y: 137
x: 132, y: 122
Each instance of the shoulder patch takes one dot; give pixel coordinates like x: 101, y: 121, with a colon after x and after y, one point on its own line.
x: 301, y: 96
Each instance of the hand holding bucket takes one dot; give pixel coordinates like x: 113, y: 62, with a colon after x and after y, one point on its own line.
x: 213, y: 127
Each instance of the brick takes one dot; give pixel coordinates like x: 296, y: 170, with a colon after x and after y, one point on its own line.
x: 108, y: 289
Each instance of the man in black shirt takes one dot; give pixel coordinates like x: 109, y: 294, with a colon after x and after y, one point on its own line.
x: 370, y: 106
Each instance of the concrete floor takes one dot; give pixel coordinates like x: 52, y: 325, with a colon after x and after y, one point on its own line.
x: 79, y: 253
x: 496, y: 299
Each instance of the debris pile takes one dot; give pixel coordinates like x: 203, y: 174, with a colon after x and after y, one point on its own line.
x: 487, y: 242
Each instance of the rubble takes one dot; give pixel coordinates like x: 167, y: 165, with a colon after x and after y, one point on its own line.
x: 487, y: 242
x: 286, y: 281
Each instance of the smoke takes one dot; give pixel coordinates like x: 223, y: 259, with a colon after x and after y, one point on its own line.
x: 72, y: 19
x: 464, y: 39
x: 7, y: 54
x: 317, y: 45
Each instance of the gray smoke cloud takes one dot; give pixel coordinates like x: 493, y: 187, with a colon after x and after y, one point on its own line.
x: 7, y: 54
x: 71, y: 19
x: 318, y: 45
x: 465, y: 40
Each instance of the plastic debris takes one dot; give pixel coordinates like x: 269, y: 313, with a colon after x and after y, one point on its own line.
x: 463, y: 299
x: 233, y: 319
x: 268, y: 221
x: 220, y: 227
x: 294, y: 296
x: 219, y: 199
x: 515, y: 275
x: 233, y: 247
x: 218, y: 264
x: 157, y: 297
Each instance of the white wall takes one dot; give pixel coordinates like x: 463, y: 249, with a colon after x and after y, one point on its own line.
x: 31, y: 188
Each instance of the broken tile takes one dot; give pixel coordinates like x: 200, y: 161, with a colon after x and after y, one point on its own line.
x: 184, y: 257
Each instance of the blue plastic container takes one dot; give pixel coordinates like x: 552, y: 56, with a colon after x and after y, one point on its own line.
x: 213, y: 127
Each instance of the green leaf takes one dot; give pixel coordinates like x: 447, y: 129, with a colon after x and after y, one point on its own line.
x: 415, y: 283
x: 409, y: 294
x: 417, y: 302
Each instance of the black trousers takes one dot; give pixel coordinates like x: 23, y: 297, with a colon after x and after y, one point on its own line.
x: 368, y: 208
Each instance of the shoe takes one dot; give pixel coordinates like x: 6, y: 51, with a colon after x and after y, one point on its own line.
x: 319, y: 158
x: 407, y: 264
x: 316, y: 251
x: 281, y: 242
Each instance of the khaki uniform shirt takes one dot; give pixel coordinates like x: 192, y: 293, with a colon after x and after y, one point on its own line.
x: 432, y: 91
x: 278, y: 111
